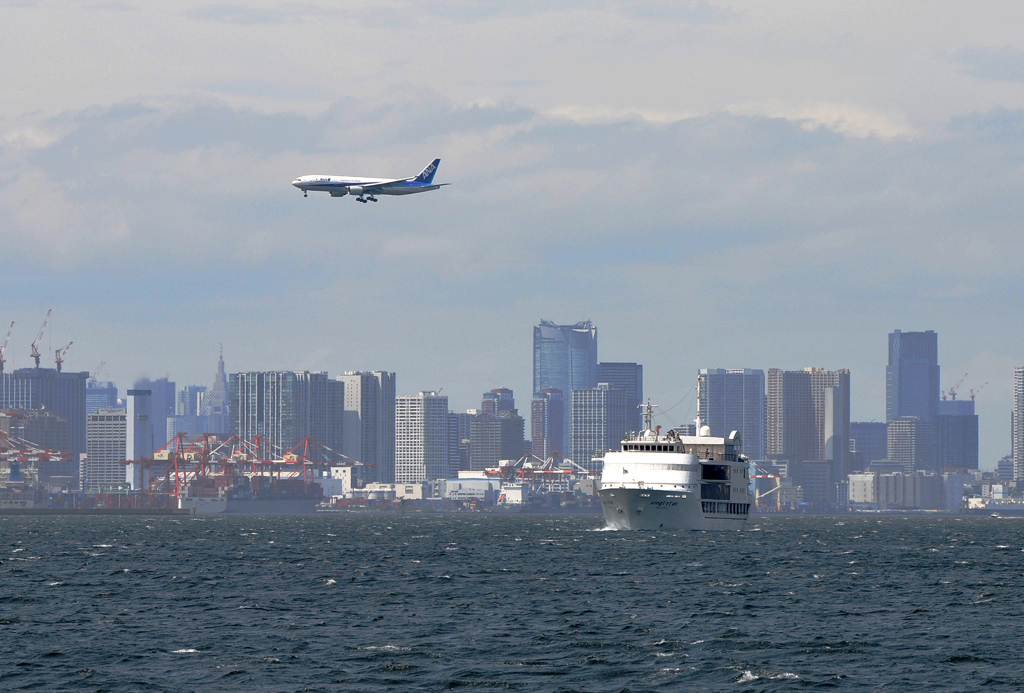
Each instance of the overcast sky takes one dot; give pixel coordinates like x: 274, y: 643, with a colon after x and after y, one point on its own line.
x: 714, y: 184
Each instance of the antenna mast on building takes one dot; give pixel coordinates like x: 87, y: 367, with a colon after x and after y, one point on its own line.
x: 35, y: 345
x: 59, y: 354
x: 4, y: 347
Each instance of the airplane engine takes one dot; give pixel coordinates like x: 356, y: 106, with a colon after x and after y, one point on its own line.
x: 355, y: 190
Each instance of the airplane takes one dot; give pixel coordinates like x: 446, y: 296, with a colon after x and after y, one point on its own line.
x: 367, y: 189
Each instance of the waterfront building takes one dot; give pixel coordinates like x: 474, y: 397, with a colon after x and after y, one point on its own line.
x: 99, y: 395
x: 565, y: 358
x: 808, y: 417
x: 734, y: 400
x: 370, y: 422
x: 547, y: 423
x: 1017, y: 423
x: 104, y: 467
x: 421, y: 438
x: 285, y: 407
x: 598, y: 424
x: 629, y: 377
x: 912, y: 376
x: 60, y: 393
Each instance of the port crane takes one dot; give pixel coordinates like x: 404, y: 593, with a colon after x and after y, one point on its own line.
x: 59, y: 354
x: 951, y: 392
x: 3, y: 348
x: 35, y: 344
x: 96, y: 372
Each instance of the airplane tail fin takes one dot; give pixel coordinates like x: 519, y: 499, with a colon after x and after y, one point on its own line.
x: 427, y: 174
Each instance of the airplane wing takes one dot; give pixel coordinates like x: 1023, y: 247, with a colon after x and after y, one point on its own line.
x: 367, y: 187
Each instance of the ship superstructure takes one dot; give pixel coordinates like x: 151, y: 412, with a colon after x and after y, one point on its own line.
x: 673, y: 481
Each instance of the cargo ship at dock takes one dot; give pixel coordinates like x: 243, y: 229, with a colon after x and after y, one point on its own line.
x: 251, y: 495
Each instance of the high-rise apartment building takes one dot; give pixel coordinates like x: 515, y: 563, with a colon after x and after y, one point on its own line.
x: 497, y: 431
x: 734, y: 400
x: 370, y: 422
x: 912, y: 376
x: 286, y: 406
x: 598, y: 423
x: 1018, y: 423
x: 956, y: 436
x: 142, y: 437
x: 547, y: 423
x: 107, y: 441
x: 498, y: 400
x: 912, y: 443
x: 422, y: 440
x: 60, y: 393
x: 565, y: 358
x: 495, y: 437
x: 628, y: 377
x: 808, y: 416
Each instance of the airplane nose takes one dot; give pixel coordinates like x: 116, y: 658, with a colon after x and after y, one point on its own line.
x: 296, y: 182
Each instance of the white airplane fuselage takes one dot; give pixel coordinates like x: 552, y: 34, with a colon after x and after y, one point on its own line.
x: 347, y: 185
x: 366, y: 189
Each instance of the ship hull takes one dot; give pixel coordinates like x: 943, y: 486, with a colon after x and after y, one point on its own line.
x: 660, y: 510
x: 248, y: 506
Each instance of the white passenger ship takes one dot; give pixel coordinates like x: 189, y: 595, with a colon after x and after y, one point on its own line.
x: 670, y: 482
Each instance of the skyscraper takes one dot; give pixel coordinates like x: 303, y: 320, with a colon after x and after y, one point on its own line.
x: 808, y: 416
x: 912, y: 376
x: 598, y: 423
x: 162, y: 404
x: 868, y: 443
x: 286, y: 406
x: 370, y: 422
x: 628, y: 377
x: 547, y: 423
x: 215, y: 405
x: 99, y: 394
x: 422, y: 438
x: 104, y: 463
x: 61, y: 393
x: 565, y: 358
x: 956, y: 436
x: 734, y: 400
x: 1018, y: 423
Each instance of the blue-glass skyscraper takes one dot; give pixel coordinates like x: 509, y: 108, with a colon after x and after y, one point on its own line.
x: 564, y: 358
x: 912, y: 376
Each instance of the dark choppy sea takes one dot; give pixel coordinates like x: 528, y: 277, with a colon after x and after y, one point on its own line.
x: 531, y: 603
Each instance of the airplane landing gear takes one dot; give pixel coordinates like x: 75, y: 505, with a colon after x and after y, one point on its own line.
x: 305, y: 194
x: 371, y: 198
x: 361, y: 199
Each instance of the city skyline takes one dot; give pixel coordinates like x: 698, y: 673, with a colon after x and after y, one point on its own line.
x: 690, y: 399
